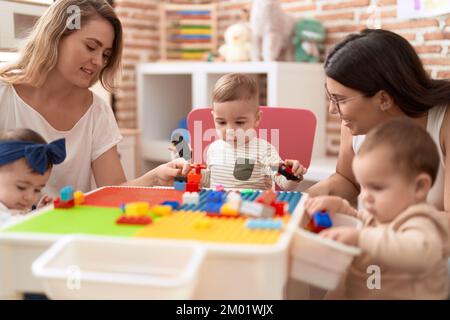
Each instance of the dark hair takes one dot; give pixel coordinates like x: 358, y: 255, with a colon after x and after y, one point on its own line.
x: 413, y: 150
x: 23, y: 134
x: 235, y: 86
x: 375, y: 60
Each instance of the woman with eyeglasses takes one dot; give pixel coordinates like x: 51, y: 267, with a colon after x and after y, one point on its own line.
x: 374, y: 76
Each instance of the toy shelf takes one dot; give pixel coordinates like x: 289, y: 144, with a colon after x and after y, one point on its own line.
x: 187, y: 32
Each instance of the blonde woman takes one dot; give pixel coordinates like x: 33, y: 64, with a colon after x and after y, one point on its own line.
x: 74, y: 44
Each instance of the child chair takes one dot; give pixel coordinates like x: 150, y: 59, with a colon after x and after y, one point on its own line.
x: 296, y: 128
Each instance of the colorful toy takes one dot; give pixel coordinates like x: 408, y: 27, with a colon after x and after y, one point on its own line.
x: 267, y: 198
x: 264, y: 224
x: 144, y: 220
x: 66, y: 193
x: 180, y: 186
x: 203, y: 223
x: 161, y: 210
x: 68, y: 198
x: 286, y: 171
x: 190, y: 198
x: 256, y: 210
x: 192, y: 187
x: 137, y: 209
x: 228, y: 210
x: 309, y: 40
x: 320, y: 220
x: 78, y: 197
x: 237, y: 43
x: 174, y: 204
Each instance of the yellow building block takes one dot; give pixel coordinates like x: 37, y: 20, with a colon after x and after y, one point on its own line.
x: 203, y: 223
x: 78, y: 197
x: 228, y: 210
x: 136, y: 209
x: 161, y: 210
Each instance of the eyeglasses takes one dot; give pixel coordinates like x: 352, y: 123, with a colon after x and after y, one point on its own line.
x: 341, y: 101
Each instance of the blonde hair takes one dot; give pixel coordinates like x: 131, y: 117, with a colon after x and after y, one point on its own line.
x: 39, y: 53
x: 235, y: 86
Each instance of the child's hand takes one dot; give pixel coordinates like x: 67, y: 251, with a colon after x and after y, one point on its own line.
x: 331, y: 204
x: 165, y: 173
x: 345, y: 235
x: 45, y: 200
x: 297, y: 169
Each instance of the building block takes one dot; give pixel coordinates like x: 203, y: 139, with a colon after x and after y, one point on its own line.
x: 144, y: 220
x: 194, y: 177
x: 122, y: 208
x: 180, y: 186
x: 78, y: 196
x: 267, y: 198
x: 320, y: 220
x: 180, y: 179
x: 264, y: 224
x: 161, y: 210
x: 190, y: 198
x: 234, y: 200
x: 198, y: 168
x: 213, y: 207
x: 174, y: 204
x: 286, y: 171
x: 192, y: 187
x: 228, y: 210
x: 216, y: 196
x: 203, y: 223
x: 66, y: 193
x: 256, y: 210
x: 280, y: 208
x: 59, y: 204
x: 136, y: 209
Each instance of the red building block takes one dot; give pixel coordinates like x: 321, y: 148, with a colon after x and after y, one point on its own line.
x: 267, y: 198
x: 144, y: 220
x: 58, y: 204
x: 192, y: 187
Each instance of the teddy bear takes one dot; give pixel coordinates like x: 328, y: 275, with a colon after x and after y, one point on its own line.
x: 237, y: 43
x: 308, y: 40
x: 272, y: 30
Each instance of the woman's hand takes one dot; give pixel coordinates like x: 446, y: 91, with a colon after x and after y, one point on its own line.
x: 165, y: 173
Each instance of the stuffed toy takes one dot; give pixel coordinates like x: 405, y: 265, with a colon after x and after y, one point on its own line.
x: 272, y: 31
x: 237, y: 43
x: 308, y: 40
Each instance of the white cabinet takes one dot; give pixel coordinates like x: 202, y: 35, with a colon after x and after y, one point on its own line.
x: 168, y: 91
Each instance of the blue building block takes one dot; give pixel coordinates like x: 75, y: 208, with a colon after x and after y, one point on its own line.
x: 66, y: 193
x: 322, y: 220
x: 180, y: 186
x: 216, y: 196
x: 213, y: 207
x: 264, y: 224
x: 174, y: 204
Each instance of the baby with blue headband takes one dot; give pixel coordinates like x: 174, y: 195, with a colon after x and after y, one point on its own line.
x: 26, y: 160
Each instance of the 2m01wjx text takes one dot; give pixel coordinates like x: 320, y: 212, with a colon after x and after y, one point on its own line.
x: 246, y: 309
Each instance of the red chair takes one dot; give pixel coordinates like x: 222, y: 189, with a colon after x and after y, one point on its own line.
x: 296, y: 128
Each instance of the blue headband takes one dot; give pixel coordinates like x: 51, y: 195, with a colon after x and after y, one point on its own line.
x: 38, y: 156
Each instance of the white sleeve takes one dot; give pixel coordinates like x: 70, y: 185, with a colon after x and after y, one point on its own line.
x: 106, y: 131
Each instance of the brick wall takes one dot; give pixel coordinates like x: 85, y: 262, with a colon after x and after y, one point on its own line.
x: 140, y: 21
x: 430, y: 37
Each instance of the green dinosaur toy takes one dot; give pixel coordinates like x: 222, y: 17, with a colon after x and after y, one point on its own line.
x: 308, y: 40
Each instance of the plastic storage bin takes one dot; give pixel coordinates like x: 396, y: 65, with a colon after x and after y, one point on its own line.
x: 107, y: 268
x: 322, y: 262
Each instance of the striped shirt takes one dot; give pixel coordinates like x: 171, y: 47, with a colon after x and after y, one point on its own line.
x: 244, y: 166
